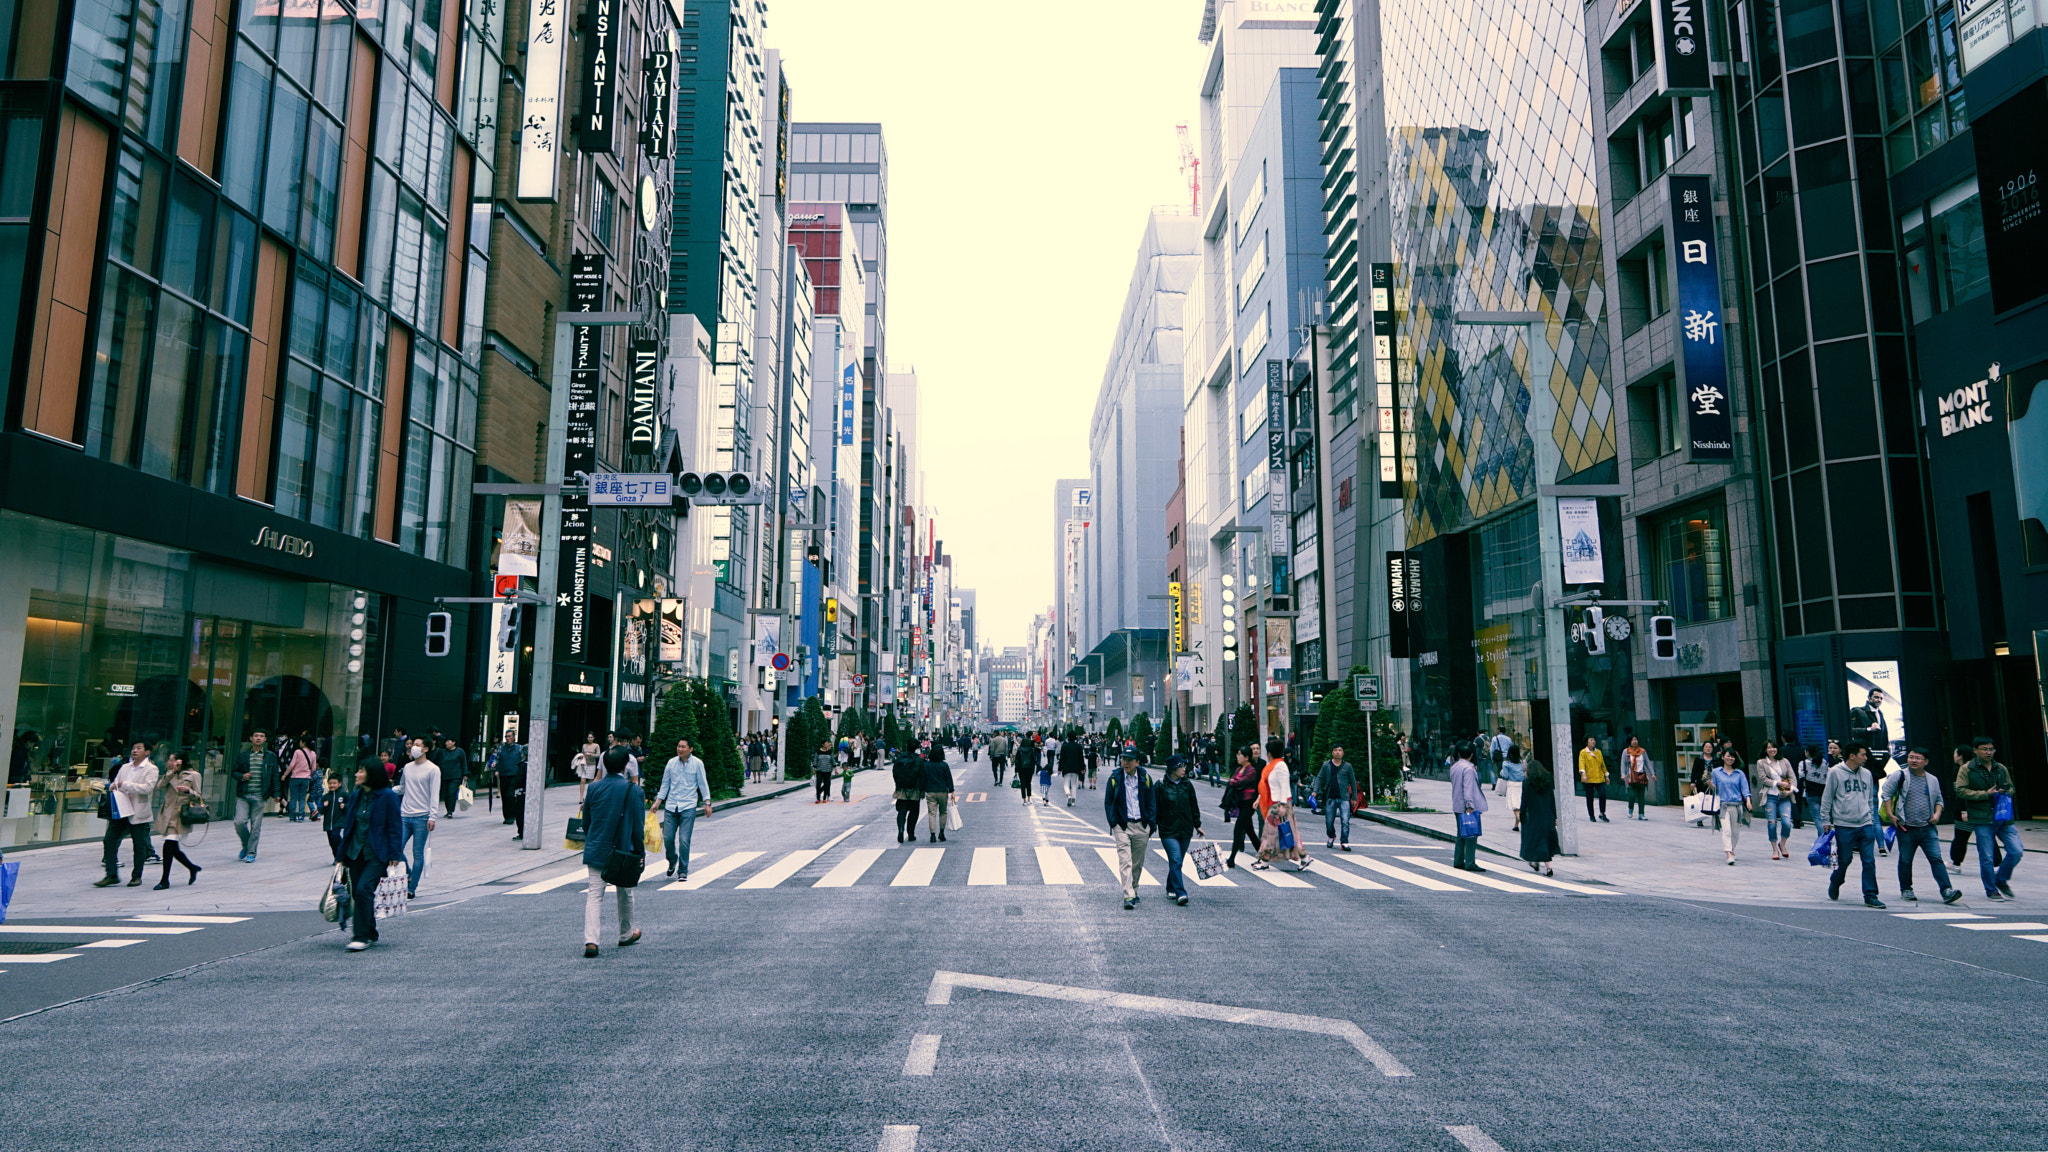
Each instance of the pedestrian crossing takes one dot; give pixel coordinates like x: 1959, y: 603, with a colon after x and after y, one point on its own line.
x: 130, y: 931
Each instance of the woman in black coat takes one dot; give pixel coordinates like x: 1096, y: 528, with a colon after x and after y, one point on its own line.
x: 908, y: 774
x: 1241, y: 805
x: 1539, y: 816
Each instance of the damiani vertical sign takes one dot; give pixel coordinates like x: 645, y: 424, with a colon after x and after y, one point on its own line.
x: 1702, y: 338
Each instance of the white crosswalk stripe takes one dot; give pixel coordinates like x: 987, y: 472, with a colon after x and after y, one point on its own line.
x: 1056, y: 867
x: 1149, y: 880
x: 988, y: 868
x: 917, y: 872
x: 782, y: 869
x: 848, y: 872
x: 1420, y: 881
x: 1346, y: 877
x: 131, y: 931
x: 711, y: 872
x: 1188, y: 870
x: 1479, y: 878
x: 1278, y: 879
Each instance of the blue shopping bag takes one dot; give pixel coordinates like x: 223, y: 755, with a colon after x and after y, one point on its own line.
x: 8, y: 874
x: 2001, y: 809
x: 1823, y: 853
x: 1286, y: 834
x: 1468, y: 825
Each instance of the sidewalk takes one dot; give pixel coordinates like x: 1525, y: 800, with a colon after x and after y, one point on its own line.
x: 1666, y: 856
x: 293, y: 863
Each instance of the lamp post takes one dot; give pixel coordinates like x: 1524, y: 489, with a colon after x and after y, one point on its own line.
x: 1542, y: 417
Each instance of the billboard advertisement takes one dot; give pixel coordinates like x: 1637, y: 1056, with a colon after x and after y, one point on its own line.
x: 1876, y: 717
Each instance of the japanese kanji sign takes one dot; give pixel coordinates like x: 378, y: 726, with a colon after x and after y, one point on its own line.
x: 1703, y: 359
x: 632, y: 489
x: 540, y: 112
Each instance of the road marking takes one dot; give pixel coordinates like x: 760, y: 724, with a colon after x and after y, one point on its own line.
x: 1480, y: 879
x: 1939, y: 916
x: 2036, y: 939
x: 159, y: 919
x: 1278, y: 879
x: 45, y: 958
x: 898, y: 1138
x: 1345, y: 877
x: 1188, y: 871
x: 1472, y: 1138
x: 707, y: 875
x: 96, y: 930
x: 974, y: 798
x: 551, y: 883
x: 2004, y: 926
x: 827, y: 845
x: 917, y: 871
x: 943, y: 983
x: 987, y: 868
x: 1109, y: 857
x: 1554, y: 882
x: 924, y: 1055
x: 849, y: 871
x: 1372, y: 865
x: 110, y: 944
x: 1056, y: 867
x: 782, y: 869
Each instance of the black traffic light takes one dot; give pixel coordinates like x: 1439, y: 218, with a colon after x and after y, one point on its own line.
x: 508, y: 629
x: 717, y: 488
x: 1595, y: 632
x: 1664, y: 637
x: 440, y: 633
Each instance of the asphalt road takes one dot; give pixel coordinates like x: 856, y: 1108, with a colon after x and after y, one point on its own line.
x: 1033, y: 1015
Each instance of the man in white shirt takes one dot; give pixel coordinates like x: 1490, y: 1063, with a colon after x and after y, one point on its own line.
x: 417, y: 795
x: 129, y: 814
x: 684, y: 792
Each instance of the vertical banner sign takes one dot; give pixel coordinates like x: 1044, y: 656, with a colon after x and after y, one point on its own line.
x: 641, y: 430
x: 1400, y: 607
x: 586, y: 371
x: 1180, y: 632
x: 540, y: 117
x: 501, y: 664
x: 600, y: 76
x: 1682, y: 47
x: 1383, y: 380
x: 1278, y: 495
x: 1578, y: 530
x: 849, y: 394
x: 1709, y: 423
x: 2012, y: 155
x: 656, y: 99
x: 670, y: 648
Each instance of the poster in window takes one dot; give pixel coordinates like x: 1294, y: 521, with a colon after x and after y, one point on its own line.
x: 1876, y: 718
x: 2027, y: 429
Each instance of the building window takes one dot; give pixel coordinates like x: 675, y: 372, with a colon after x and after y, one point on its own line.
x: 1944, y: 251
x: 1645, y: 285
x: 1656, y: 422
x: 1689, y: 562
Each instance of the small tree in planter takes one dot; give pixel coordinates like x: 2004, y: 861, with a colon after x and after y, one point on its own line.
x: 1141, y: 734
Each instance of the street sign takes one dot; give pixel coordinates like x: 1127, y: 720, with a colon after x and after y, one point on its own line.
x: 1367, y: 687
x: 632, y: 489
x: 779, y: 661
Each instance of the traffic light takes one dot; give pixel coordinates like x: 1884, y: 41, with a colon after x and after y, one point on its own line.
x: 831, y: 610
x: 508, y: 629
x: 1664, y: 637
x: 1229, y: 619
x: 719, y: 488
x: 440, y: 632
x: 1595, y: 632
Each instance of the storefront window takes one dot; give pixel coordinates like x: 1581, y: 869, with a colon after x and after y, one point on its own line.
x: 1691, y: 568
x: 122, y: 641
x: 1507, y: 625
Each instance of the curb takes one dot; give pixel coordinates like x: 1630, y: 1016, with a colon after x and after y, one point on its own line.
x: 1393, y: 821
x: 741, y: 801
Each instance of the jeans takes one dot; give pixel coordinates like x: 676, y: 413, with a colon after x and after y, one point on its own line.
x: 414, y: 832
x: 1130, y: 855
x: 1593, y: 790
x: 1465, y: 854
x: 2002, y: 835
x: 593, y: 908
x: 1778, y: 816
x: 1926, y: 838
x: 1336, y: 816
x: 1849, y: 841
x: 1176, y: 850
x: 121, y: 828
x: 297, y: 807
x: 249, y: 822
x: 362, y: 901
x: 676, y: 828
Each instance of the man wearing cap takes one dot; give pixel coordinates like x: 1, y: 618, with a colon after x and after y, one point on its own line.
x: 1132, y: 809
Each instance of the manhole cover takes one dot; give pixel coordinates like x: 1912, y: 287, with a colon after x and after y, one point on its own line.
x: 30, y: 947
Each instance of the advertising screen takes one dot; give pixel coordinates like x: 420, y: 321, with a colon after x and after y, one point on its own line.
x: 1875, y: 715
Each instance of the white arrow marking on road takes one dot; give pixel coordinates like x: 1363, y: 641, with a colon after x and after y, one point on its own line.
x: 917, y: 871
x: 782, y: 869
x: 707, y: 875
x: 943, y: 983
x: 1372, y: 865
x: 1480, y: 879
x: 1056, y: 867
x: 898, y: 1138
x: 551, y: 883
x: 923, y: 1057
x: 987, y: 868
x: 849, y: 871
x: 157, y: 919
x: 95, y: 930
x: 1472, y: 1138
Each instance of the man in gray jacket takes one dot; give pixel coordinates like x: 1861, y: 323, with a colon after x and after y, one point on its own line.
x: 614, y: 811
x: 1336, y: 784
x: 1848, y: 807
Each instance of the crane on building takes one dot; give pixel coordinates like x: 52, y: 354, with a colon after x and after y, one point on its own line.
x: 1191, y: 167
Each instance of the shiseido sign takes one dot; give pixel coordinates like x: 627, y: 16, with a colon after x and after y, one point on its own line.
x: 1682, y: 47
x: 275, y: 541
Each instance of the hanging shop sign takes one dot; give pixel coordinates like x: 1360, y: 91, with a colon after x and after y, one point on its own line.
x: 1682, y: 47
x: 657, y: 89
x: 540, y: 114
x: 579, y: 438
x: 1709, y: 408
x: 642, y: 423
x: 2012, y: 156
x: 1404, y: 603
x: 600, y: 76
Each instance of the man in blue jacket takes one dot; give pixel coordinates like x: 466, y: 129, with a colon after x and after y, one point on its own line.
x: 613, y: 817
x: 1133, y: 812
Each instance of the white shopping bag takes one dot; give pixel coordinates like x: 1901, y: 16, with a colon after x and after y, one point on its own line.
x: 953, y: 815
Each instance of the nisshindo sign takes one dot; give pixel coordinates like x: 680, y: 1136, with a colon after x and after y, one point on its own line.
x: 600, y: 77
x: 1682, y: 47
x: 540, y: 118
x: 1703, y: 352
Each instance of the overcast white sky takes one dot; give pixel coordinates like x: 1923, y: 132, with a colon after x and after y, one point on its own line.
x: 1025, y: 144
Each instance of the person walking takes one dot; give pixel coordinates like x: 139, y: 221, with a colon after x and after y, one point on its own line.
x: 849, y: 763
x: 1276, y: 803
x: 938, y: 793
x: 612, y: 811
x: 255, y: 780
x: 1731, y: 787
x: 908, y: 774
x: 509, y: 762
x: 1467, y: 799
x: 1027, y: 767
x: 129, y: 814
x: 1539, y: 817
x: 1847, y: 806
x: 418, y: 788
x: 1813, y: 780
x: 454, y: 765
x: 1336, y: 784
x: 1777, y: 786
x: 1131, y: 805
x: 1635, y: 774
x: 1985, y: 787
x: 821, y: 773
x: 1497, y: 751
x: 1094, y: 752
x: 586, y: 764
x: 1046, y: 757
x: 998, y: 756
x: 1911, y: 802
x: 1702, y: 783
x: 1593, y: 774
x: 370, y: 844
x: 1073, y: 763
x: 1241, y: 805
x: 1514, y: 773
x: 1179, y: 812
x: 299, y: 774
x: 685, y: 793
x: 180, y: 784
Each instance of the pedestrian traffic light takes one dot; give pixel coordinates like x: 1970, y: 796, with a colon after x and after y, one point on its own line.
x: 1664, y: 637
x: 508, y: 629
x: 1595, y: 632
x: 722, y: 489
x: 1229, y: 619
x: 440, y: 630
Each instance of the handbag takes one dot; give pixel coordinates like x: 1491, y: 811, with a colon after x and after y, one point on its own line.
x: 952, y: 817
x: 465, y: 797
x: 9, y: 872
x: 390, y: 900
x: 1823, y: 853
x: 623, y: 868
x: 334, y: 899
x: 2001, y: 809
x: 1286, y: 834
x: 1468, y: 825
x: 1208, y: 862
x: 196, y: 813
x: 1709, y: 803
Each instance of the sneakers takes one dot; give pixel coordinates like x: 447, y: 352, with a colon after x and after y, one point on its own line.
x: 1343, y: 847
x: 2005, y: 890
x: 1994, y: 895
x: 107, y: 881
x: 359, y: 945
x: 1329, y: 842
x: 1908, y: 895
x: 410, y: 895
x: 1834, y: 889
x: 1952, y: 895
x: 1604, y: 819
x: 629, y: 941
x: 1130, y: 904
x: 1872, y: 902
x: 1181, y: 900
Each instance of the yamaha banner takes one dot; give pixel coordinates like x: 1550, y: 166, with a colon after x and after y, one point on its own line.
x: 1703, y: 362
